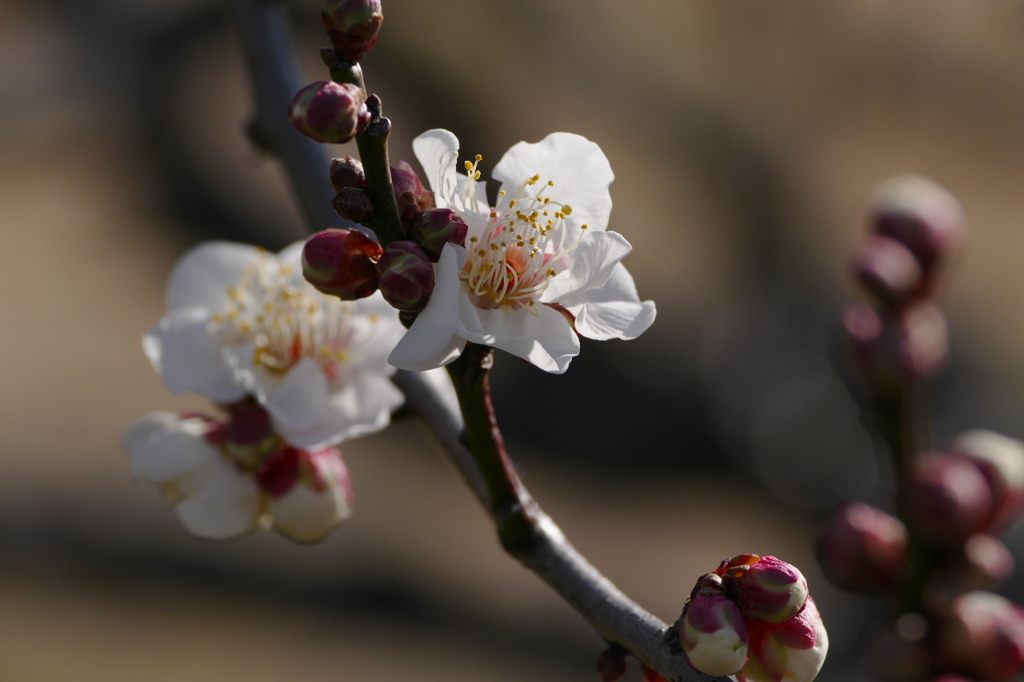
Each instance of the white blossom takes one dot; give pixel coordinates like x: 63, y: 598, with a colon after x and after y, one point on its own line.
x: 537, y: 268
x: 242, y: 321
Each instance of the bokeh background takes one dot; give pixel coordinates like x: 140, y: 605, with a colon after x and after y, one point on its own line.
x: 746, y: 138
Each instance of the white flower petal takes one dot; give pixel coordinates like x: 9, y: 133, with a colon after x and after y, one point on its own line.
x: 362, y: 407
x: 306, y: 515
x: 545, y: 339
x: 579, y: 169
x: 164, y: 446
x: 188, y: 358
x: 204, y: 274
x: 613, y: 311
x: 438, y: 152
x: 228, y: 504
x: 299, y: 402
x: 431, y: 341
x: 591, y: 264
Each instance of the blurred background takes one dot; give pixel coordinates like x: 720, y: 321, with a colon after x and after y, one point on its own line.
x: 746, y: 138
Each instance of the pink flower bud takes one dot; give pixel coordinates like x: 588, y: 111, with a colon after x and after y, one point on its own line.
x: 766, y: 588
x: 342, y: 263
x: 347, y: 172
x: 983, y: 637
x: 887, y: 270
x: 310, y: 491
x: 406, y: 276
x: 911, y: 343
x: 713, y: 632
x: 352, y: 26
x: 354, y: 204
x: 1001, y: 460
x: 326, y: 111
x: 436, y: 227
x: 793, y: 650
x: 922, y: 216
x: 949, y: 499
x: 862, y: 548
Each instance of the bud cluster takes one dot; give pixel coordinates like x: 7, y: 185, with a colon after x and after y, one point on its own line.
x: 753, y: 618
x: 349, y: 264
x: 916, y: 229
x: 935, y: 561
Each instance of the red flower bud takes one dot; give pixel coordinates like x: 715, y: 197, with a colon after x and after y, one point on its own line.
x: 436, y: 227
x: 949, y: 497
x: 1001, y: 460
x: 352, y: 203
x: 922, y: 216
x: 352, y: 26
x: 862, y: 548
x: 347, y: 172
x: 611, y: 664
x: 326, y: 111
x: 887, y: 270
x: 766, y: 588
x: 410, y: 193
x: 406, y: 276
x: 342, y: 263
x: 911, y: 343
x: 983, y: 637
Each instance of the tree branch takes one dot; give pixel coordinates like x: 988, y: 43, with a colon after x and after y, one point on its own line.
x: 477, y: 452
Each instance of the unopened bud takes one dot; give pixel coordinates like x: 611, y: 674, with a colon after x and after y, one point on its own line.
x: 922, y: 216
x: 310, y: 492
x: 406, y: 276
x: 862, y: 548
x: 353, y: 203
x: 326, y: 111
x: 949, y: 499
x: 352, y: 26
x: 410, y: 193
x: 983, y: 637
x: 611, y: 664
x: 347, y: 172
x: 894, y: 656
x: 793, y: 650
x: 986, y: 562
x: 436, y: 227
x: 342, y: 263
x: 1001, y: 460
x: 887, y: 270
x: 911, y: 343
x: 713, y: 632
x: 766, y: 588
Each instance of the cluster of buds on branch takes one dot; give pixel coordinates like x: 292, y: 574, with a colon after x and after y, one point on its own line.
x: 753, y: 618
x: 936, y: 556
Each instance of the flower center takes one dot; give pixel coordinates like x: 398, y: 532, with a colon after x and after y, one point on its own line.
x: 522, y: 247
x: 287, y: 321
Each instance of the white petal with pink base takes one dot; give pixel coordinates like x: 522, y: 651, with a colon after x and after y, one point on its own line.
x: 531, y: 265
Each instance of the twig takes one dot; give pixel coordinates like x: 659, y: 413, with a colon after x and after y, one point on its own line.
x: 526, y: 531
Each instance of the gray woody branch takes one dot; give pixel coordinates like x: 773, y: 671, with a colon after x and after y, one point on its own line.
x: 262, y: 28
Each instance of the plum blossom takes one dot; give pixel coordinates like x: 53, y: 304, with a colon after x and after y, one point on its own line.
x: 536, y: 269
x: 242, y: 322
x: 222, y: 487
